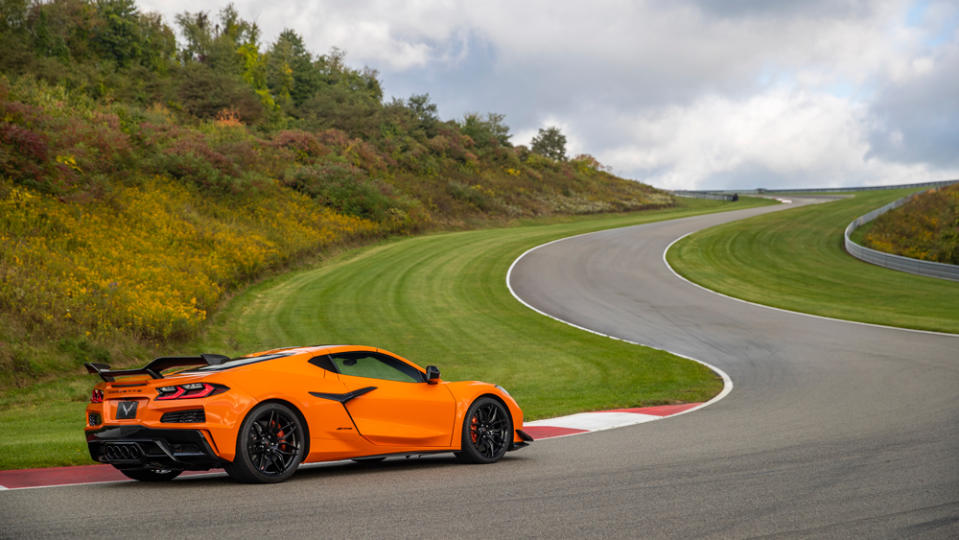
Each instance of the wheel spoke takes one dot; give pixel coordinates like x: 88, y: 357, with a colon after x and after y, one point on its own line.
x: 287, y: 434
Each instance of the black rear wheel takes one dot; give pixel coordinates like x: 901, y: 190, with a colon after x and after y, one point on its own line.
x: 270, y: 446
x: 151, y: 475
x: 487, y: 432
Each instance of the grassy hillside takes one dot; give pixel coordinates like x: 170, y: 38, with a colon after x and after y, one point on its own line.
x: 142, y: 181
x: 122, y: 229
x: 795, y: 260
x: 926, y: 227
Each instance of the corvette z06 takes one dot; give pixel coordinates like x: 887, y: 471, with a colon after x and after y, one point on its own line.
x: 260, y: 416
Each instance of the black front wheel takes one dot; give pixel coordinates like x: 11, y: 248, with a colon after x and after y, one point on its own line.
x: 151, y: 475
x: 487, y: 432
x: 270, y: 446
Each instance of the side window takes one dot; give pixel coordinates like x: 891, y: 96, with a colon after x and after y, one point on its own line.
x: 323, y: 362
x: 375, y: 366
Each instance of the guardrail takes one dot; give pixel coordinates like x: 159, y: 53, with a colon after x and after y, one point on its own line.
x: 897, y: 262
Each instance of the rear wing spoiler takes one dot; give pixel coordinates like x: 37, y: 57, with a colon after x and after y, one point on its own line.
x: 155, y: 368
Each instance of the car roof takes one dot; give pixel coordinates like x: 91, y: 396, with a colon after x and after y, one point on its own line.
x: 275, y: 354
x: 314, y: 349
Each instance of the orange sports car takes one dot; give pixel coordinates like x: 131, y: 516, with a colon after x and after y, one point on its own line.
x: 260, y: 416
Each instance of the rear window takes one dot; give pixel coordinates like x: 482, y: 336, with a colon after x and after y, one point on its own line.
x: 242, y: 361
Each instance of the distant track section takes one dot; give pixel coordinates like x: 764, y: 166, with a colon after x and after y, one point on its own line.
x: 717, y: 193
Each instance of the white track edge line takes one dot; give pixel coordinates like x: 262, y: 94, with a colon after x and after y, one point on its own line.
x: 727, y: 381
x: 783, y: 310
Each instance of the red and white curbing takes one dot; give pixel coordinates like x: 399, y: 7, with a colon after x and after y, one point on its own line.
x: 563, y: 426
x: 587, y: 422
x: 70, y: 476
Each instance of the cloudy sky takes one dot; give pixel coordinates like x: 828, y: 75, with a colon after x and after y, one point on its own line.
x: 681, y: 94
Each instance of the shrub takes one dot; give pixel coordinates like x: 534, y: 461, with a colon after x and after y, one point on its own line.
x: 342, y: 187
x: 926, y: 227
x: 305, y: 146
x: 476, y: 195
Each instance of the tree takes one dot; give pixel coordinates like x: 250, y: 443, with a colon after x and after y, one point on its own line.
x: 128, y: 37
x: 490, y: 132
x: 197, y: 32
x: 62, y: 29
x: 291, y: 75
x: 225, y: 46
x: 426, y: 113
x: 231, y: 50
x: 498, y: 129
x: 13, y: 14
x: 550, y: 142
x: 118, y: 36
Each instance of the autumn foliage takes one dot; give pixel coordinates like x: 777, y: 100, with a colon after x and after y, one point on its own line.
x: 926, y: 227
x: 141, y: 181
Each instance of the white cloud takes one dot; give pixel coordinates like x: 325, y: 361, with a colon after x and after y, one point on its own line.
x: 750, y: 142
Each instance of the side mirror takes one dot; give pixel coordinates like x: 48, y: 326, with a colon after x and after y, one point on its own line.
x: 432, y: 374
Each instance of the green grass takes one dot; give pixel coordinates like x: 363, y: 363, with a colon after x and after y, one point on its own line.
x: 48, y: 433
x: 438, y: 299
x: 795, y: 260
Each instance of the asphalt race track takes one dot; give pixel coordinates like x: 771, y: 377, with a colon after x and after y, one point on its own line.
x: 833, y: 429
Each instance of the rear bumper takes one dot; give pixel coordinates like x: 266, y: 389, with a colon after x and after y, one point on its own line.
x: 136, y: 447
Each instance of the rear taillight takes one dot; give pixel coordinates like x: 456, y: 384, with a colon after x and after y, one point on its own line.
x: 97, y: 396
x: 190, y: 391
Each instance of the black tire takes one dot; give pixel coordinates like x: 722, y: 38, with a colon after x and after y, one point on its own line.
x: 151, y: 475
x: 270, y: 445
x: 487, y: 432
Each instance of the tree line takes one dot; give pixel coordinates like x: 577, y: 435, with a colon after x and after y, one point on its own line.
x: 111, y: 50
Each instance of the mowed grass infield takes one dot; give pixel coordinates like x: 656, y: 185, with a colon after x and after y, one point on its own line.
x: 442, y: 299
x: 438, y: 299
x: 795, y: 260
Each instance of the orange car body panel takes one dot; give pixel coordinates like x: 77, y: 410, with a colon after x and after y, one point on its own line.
x: 396, y: 418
